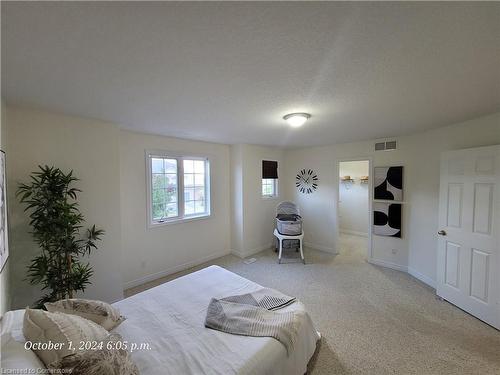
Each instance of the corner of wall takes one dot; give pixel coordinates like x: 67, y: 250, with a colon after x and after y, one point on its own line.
x: 252, y: 216
x: 244, y: 253
x: 325, y: 249
x: 236, y: 193
x: 420, y: 276
x: 43, y: 137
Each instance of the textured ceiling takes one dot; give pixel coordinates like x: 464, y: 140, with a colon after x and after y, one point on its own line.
x: 228, y: 72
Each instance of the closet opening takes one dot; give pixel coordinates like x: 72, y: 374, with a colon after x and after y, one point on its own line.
x: 354, y: 208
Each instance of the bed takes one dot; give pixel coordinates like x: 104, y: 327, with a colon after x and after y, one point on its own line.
x: 170, y: 320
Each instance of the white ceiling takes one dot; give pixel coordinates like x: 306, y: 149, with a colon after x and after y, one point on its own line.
x: 228, y: 72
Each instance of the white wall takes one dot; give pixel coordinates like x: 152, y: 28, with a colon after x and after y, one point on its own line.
x: 319, y: 209
x: 149, y: 253
x: 425, y: 149
x: 111, y: 165
x: 91, y: 149
x: 237, y: 206
x: 254, y: 215
x: 353, y: 198
x: 420, y: 156
x: 5, y: 294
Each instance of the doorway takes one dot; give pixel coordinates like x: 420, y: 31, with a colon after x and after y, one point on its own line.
x: 354, y: 207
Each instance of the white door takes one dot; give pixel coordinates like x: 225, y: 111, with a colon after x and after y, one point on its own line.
x: 468, y: 264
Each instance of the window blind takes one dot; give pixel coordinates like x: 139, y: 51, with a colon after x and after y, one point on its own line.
x: 269, y: 169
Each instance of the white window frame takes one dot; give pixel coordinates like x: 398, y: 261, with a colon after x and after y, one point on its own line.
x: 181, y: 217
x: 276, y: 192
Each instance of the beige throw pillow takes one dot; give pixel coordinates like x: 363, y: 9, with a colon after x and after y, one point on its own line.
x: 99, y: 312
x: 50, y: 333
x: 105, y: 361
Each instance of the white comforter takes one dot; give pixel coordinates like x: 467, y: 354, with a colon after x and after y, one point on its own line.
x: 170, y: 318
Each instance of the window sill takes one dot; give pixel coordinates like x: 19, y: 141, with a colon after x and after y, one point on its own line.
x: 179, y: 221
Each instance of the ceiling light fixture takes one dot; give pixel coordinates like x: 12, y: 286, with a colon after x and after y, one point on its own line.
x: 296, y: 120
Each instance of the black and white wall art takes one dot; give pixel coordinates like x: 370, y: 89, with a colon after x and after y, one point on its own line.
x: 387, y: 219
x: 388, y: 183
x: 4, y: 243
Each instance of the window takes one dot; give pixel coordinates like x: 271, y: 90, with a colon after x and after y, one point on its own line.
x: 269, y: 178
x: 164, y: 188
x: 194, y: 187
x: 178, y: 188
x: 269, y: 187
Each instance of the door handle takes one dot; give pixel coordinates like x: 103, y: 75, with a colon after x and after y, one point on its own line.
x: 442, y: 233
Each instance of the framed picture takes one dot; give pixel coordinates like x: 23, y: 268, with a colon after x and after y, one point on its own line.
x: 388, y: 183
x: 387, y: 219
x: 4, y: 240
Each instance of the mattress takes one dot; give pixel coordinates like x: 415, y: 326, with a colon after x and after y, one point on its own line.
x: 170, y: 320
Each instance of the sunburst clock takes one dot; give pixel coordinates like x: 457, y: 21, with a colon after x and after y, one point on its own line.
x: 306, y: 181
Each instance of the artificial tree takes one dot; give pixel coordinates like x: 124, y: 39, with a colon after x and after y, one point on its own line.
x: 57, y: 222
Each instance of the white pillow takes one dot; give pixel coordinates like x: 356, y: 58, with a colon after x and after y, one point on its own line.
x: 99, y: 312
x: 44, y: 328
x: 105, y: 361
x: 16, y: 357
x: 12, y: 322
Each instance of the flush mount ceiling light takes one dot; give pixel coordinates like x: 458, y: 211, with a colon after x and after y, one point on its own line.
x: 296, y: 120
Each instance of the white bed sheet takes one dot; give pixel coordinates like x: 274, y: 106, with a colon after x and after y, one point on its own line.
x: 170, y: 317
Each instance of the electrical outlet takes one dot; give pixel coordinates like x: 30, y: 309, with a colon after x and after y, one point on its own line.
x: 143, y: 264
x: 394, y: 251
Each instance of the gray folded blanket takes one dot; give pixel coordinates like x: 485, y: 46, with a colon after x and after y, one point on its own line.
x: 251, y: 315
x: 266, y: 298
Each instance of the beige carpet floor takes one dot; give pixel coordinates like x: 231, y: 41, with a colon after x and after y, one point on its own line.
x: 373, y: 320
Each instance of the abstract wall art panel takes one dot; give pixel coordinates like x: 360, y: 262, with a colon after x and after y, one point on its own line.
x: 387, y: 219
x: 4, y: 241
x: 388, y: 182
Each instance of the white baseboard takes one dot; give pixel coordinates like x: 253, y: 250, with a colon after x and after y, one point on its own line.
x: 171, y: 270
x: 239, y: 254
x: 425, y: 279
x: 247, y: 253
x: 354, y: 233
x: 255, y: 250
x: 314, y: 246
x: 387, y: 264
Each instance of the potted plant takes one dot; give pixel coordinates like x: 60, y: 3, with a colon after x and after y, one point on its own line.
x: 51, y: 200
